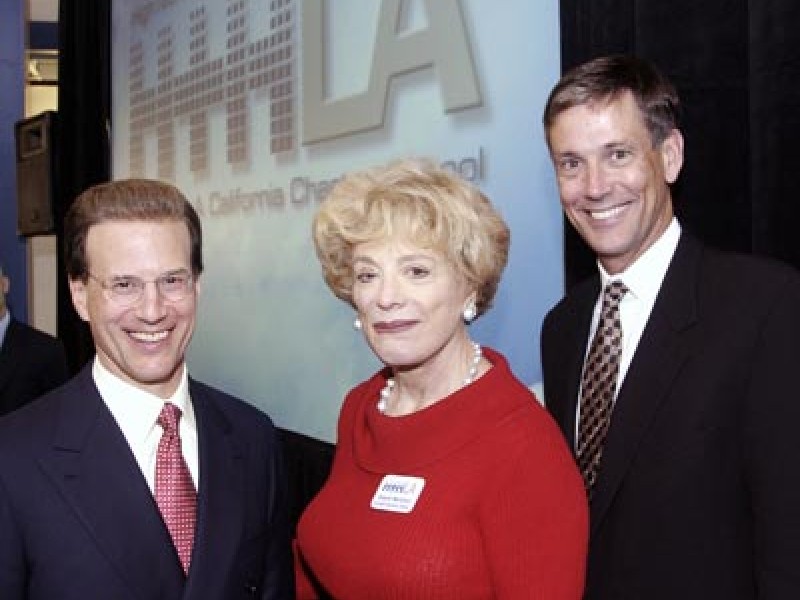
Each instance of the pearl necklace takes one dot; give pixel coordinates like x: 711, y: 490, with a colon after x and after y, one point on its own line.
x: 477, y: 355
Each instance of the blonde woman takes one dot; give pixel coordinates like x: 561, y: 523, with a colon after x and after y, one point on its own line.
x: 450, y: 480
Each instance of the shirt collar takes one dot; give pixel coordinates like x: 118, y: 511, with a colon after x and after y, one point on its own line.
x: 643, y: 278
x: 4, y: 326
x: 135, y: 410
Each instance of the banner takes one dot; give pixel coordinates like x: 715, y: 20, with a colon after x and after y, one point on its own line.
x: 255, y: 109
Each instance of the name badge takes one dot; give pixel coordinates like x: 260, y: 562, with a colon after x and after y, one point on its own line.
x: 397, y: 493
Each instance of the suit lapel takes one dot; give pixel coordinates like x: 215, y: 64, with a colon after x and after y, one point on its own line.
x: 573, y: 338
x: 221, y: 496
x: 96, y: 473
x: 661, y: 352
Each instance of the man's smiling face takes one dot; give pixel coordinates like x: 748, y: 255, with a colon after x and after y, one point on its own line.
x: 143, y: 342
x: 613, y: 181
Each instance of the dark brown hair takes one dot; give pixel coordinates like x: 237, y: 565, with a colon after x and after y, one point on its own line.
x: 126, y: 200
x: 604, y: 79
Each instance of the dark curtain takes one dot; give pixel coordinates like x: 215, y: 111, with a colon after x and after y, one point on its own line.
x: 736, y: 64
x: 82, y: 144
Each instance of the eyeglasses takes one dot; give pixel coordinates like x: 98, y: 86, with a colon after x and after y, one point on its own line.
x: 128, y: 289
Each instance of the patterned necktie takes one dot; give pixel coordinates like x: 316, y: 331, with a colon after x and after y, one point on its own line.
x: 175, y: 493
x: 598, y: 383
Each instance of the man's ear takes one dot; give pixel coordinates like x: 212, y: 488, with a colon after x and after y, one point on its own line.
x: 672, y: 155
x: 79, y: 293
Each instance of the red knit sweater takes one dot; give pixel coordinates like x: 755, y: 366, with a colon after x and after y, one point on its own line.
x: 502, y: 513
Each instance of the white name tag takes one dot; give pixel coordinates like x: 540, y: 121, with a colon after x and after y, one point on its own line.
x: 397, y: 493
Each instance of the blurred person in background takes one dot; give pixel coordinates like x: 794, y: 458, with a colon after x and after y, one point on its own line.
x: 31, y: 362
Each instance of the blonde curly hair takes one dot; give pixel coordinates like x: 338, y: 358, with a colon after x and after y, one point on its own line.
x: 420, y: 202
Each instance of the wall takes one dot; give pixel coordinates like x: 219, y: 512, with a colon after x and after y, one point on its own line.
x: 41, y: 249
x: 12, y: 248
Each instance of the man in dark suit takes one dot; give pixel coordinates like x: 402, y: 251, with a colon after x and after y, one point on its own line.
x: 693, y: 481
x: 31, y: 361
x: 98, y: 477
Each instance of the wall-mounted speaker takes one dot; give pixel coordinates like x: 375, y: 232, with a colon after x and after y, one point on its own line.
x: 36, y: 173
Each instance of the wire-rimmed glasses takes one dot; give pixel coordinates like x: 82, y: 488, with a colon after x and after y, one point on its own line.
x: 125, y: 290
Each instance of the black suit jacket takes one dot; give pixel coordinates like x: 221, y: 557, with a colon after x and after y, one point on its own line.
x: 698, y: 494
x: 31, y: 364
x: 78, y: 521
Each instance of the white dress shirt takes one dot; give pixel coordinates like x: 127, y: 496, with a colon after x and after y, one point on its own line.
x: 136, y: 412
x: 643, y: 279
x: 4, y: 321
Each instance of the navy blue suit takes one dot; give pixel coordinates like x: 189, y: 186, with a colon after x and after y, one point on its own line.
x: 78, y: 521
x: 698, y: 495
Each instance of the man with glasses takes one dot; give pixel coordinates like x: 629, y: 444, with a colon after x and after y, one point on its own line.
x: 133, y: 480
x: 31, y: 361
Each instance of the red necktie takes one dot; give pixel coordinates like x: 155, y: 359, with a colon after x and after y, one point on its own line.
x: 598, y: 384
x: 175, y: 493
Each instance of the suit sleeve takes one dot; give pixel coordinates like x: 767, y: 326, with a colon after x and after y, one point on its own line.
x: 278, y: 581
x: 12, y: 560
x: 772, y: 447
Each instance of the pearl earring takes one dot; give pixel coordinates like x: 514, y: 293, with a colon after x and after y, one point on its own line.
x: 357, y: 323
x: 469, y: 312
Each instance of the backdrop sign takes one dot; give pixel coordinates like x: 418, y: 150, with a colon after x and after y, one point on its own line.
x: 255, y: 109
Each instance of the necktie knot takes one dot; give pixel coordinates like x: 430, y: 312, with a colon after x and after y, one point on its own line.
x: 613, y: 293
x: 169, y: 417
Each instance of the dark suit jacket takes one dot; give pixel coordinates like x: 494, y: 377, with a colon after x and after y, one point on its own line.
x: 78, y: 521
x: 31, y: 364
x: 698, y: 494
